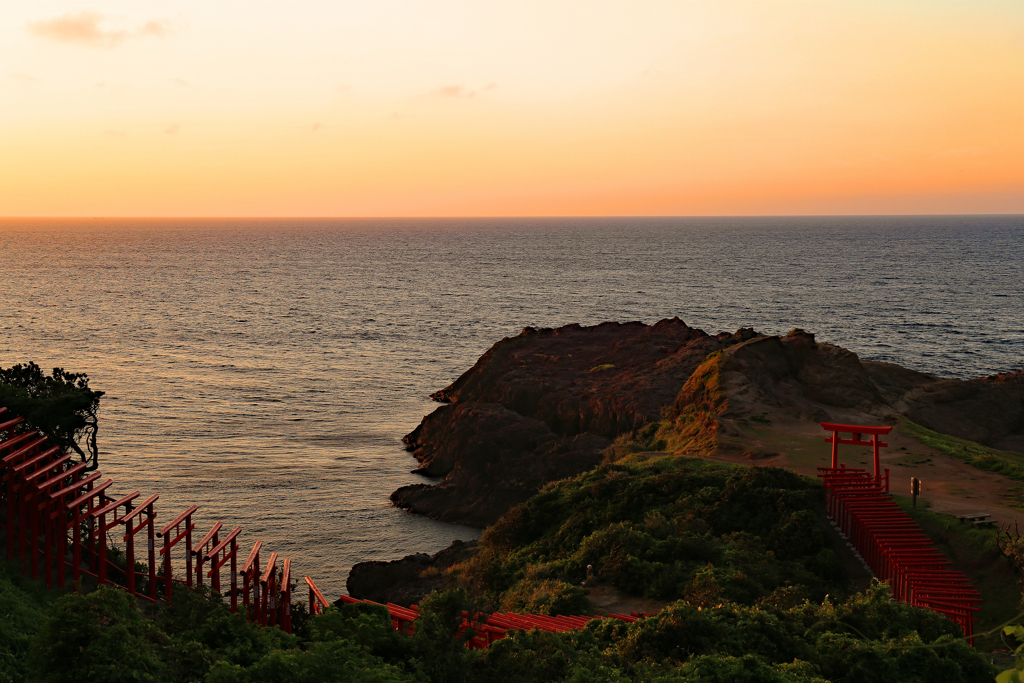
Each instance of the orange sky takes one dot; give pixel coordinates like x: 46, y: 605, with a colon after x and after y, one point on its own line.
x: 448, y: 108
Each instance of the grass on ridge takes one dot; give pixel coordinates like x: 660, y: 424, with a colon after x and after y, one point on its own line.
x: 1006, y: 463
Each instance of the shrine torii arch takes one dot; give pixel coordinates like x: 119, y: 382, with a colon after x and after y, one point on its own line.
x: 856, y: 431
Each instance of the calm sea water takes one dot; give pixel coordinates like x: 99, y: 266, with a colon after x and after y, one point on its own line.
x: 265, y: 370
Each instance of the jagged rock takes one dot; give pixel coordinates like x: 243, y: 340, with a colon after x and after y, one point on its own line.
x: 407, y: 581
x: 607, y: 379
x: 543, y: 405
x: 492, y: 458
x: 797, y: 373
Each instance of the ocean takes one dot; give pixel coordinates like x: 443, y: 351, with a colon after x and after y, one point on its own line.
x: 266, y: 370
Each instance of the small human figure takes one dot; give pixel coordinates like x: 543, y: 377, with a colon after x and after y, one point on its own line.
x: 590, y: 574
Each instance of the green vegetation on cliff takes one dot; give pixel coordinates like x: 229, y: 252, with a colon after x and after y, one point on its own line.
x: 23, y: 605
x: 693, y: 429
x: 863, y: 639
x: 740, y: 556
x: 666, y: 528
x: 1007, y: 463
x: 739, y: 553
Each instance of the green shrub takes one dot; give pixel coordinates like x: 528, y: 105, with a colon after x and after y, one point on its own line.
x: 548, y: 597
x: 541, y: 657
x: 23, y: 605
x: 96, y: 637
x: 338, y: 660
x: 649, y: 528
x: 60, y: 405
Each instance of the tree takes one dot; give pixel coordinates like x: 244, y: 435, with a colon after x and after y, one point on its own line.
x: 101, y: 636
x: 62, y: 407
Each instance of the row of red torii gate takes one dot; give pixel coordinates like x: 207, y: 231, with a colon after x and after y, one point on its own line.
x: 887, y: 539
x: 59, y: 518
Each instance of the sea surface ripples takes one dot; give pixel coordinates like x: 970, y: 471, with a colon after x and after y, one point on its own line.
x: 266, y: 370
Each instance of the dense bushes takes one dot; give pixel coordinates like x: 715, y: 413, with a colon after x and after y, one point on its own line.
x: 739, y: 553
x: 100, y: 636
x: 865, y: 639
x: 664, y: 528
x: 23, y: 605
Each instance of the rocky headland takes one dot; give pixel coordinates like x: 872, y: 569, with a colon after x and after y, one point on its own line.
x: 545, y: 405
x: 554, y: 403
x: 548, y: 403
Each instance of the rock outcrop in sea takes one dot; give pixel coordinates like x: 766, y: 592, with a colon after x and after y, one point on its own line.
x: 408, y: 580
x: 548, y: 403
x: 544, y: 405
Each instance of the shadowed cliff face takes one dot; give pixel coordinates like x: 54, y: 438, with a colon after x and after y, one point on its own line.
x: 409, y: 580
x: 545, y: 405
x: 492, y: 458
x: 1013, y: 384
x: 606, y: 380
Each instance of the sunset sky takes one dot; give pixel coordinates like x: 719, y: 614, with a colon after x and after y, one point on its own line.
x: 532, y: 107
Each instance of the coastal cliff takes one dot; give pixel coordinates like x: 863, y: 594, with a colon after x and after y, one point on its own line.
x: 543, y: 406
x: 550, y: 403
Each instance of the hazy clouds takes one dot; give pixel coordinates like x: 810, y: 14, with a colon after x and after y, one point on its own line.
x: 86, y: 28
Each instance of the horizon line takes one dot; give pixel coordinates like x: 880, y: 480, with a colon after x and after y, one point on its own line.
x: 523, y: 216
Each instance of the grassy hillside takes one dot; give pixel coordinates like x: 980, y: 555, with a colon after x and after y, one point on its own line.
x: 739, y: 554
x: 1007, y: 463
x: 662, y: 527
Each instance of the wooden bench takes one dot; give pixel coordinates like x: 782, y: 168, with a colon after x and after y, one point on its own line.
x: 978, y: 519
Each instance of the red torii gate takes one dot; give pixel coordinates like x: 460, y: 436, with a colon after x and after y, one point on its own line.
x: 317, y: 602
x: 268, y: 587
x: 891, y: 543
x: 251, y: 583
x: 56, y: 510
x: 286, y: 596
x: 208, y: 541
x: 146, y: 517
x: 856, y: 431
x: 77, y: 517
x: 18, y: 464
x: 33, y: 486
x: 218, y: 555
x: 65, y: 515
x: 169, y: 542
x: 54, y: 516
x: 104, y: 526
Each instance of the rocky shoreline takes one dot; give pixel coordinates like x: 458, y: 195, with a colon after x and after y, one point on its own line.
x: 545, y: 405
x: 406, y: 581
x: 553, y: 403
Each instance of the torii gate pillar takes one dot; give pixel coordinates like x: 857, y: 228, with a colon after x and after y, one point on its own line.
x: 856, y: 431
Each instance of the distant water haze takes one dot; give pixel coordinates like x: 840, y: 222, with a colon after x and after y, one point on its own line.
x: 266, y: 370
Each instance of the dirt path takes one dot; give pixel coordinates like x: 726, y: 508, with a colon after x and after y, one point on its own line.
x: 948, y: 484
x: 607, y: 600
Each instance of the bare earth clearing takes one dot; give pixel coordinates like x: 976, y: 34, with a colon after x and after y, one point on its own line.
x: 949, y: 486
